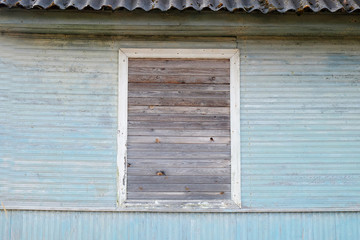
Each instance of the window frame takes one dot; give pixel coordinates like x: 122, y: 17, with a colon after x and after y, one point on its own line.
x: 178, y: 205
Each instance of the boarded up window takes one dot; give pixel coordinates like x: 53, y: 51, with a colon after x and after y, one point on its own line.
x: 178, y: 129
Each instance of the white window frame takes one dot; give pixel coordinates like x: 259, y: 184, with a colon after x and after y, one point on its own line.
x: 179, y: 205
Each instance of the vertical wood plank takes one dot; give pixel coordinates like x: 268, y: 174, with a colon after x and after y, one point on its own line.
x: 235, y: 128
x: 122, y: 128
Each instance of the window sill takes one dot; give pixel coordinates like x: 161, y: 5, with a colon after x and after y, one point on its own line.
x: 180, y: 206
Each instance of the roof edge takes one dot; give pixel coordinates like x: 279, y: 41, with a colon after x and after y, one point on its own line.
x: 262, y: 6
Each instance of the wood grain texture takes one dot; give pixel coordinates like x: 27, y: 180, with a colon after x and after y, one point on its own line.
x: 180, y: 63
x: 180, y: 87
x: 182, y: 101
x: 178, y: 187
x: 180, y: 133
x: 169, y: 71
x: 178, y: 117
x: 176, y: 79
x: 178, y: 171
x: 151, y: 109
x: 216, y: 147
x: 186, y: 140
x: 180, y: 179
x: 212, y: 125
x: 179, y: 129
x: 186, y: 163
x: 179, y: 195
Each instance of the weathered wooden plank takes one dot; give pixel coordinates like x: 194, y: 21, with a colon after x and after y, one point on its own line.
x: 144, y: 187
x: 179, y: 63
x: 169, y: 101
x: 179, y: 171
x: 177, y: 132
x: 122, y: 129
x: 179, y: 110
x: 180, y: 179
x: 178, y: 87
x: 235, y: 128
x: 214, y: 125
x: 187, y: 140
x: 178, y: 195
x: 179, y: 53
x: 178, y: 93
x: 193, y: 147
x: 183, y: 115
x: 178, y: 79
x: 148, y: 71
x: 178, y: 117
x: 175, y: 154
x: 161, y: 163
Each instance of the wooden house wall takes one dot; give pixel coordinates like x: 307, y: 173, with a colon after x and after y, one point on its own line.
x: 299, y: 120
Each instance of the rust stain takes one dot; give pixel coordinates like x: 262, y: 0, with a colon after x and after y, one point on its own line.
x: 2, y: 204
x: 157, y: 140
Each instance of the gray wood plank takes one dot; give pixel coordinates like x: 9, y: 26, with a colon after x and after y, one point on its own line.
x: 188, y: 140
x: 176, y: 79
x: 178, y: 132
x: 179, y: 110
x: 180, y: 179
x: 177, y: 117
x: 169, y: 101
x: 179, y: 63
x: 178, y: 163
x: 177, y: 94
x: 144, y: 187
x: 178, y: 71
x: 178, y: 195
x: 177, y: 154
x: 179, y: 87
x: 213, y: 147
x: 179, y: 171
x: 214, y: 125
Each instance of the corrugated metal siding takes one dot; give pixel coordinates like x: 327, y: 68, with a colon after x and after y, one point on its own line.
x: 299, y: 108
x: 300, y: 118
x: 266, y: 226
x: 214, y: 5
x: 59, y: 124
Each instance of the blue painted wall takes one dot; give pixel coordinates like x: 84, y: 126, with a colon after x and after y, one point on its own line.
x: 300, y: 123
x: 28, y: 225
x: 300, y: 118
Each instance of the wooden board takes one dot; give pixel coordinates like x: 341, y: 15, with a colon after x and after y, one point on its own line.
x: 176, y: 79
x: 178, y: 195
x: 178, y: 129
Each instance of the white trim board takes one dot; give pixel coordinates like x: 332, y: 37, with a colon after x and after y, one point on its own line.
x: 234, y: 57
